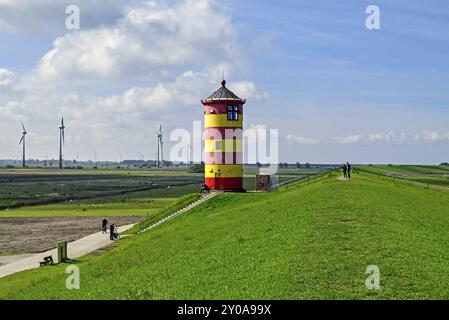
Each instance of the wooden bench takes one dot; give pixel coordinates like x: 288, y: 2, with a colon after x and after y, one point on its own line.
x: 47, y: 260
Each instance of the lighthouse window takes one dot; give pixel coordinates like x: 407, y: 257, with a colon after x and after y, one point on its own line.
x: 230, y: 115
x: 233, y: 113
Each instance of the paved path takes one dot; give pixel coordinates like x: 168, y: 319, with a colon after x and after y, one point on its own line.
x: 88, y: 244
x: 75, y: 250
x: 13, y: 258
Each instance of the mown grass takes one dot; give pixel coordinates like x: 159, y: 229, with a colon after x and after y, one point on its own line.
x: 312, y: 241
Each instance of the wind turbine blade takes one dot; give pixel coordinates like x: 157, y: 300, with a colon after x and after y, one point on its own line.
x: 21, y: 140
x: 62, y: 121
x: 63, y: 138
x: 23, y: 127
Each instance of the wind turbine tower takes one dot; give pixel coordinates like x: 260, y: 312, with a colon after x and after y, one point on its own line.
x: 61, y: 141
x: 160, y: 146
x: 22, y: 140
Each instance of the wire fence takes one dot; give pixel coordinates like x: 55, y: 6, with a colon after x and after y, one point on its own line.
x: 307, y: 178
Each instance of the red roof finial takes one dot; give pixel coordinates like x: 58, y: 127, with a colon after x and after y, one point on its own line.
x: 223, y: 83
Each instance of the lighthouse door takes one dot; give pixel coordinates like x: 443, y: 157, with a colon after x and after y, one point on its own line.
x: 217, y: 176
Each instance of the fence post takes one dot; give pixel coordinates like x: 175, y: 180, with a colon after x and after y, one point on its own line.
x: 62, y: 252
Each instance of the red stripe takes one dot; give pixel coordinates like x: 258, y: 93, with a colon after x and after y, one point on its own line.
x: 221, y: 108
x: 223, y: 157
x: 224, y: 183
x: 223, y: 133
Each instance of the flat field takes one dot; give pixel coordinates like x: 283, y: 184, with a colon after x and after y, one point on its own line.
x: 32, y: 235
x: 39, y: 207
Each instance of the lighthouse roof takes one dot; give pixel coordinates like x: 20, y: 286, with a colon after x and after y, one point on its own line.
x: 223, y: 93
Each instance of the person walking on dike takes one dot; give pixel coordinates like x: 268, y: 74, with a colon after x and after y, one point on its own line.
x: 348, y: 170
x: 104, y: 225
x: 112, y: 232
x: 345, y: 168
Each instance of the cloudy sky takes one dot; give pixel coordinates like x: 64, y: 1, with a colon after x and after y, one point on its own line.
x: 335, y: 90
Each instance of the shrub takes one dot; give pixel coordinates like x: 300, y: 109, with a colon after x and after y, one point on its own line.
x: 197, y: 168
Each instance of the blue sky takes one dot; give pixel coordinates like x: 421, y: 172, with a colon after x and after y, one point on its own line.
x: 335, y: 90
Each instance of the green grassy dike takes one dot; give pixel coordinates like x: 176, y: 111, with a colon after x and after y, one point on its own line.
x: 310, y: 241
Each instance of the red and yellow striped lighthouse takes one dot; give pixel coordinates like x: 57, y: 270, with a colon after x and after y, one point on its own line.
x: 223, y: 154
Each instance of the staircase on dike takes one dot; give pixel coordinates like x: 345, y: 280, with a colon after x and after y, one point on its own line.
x: 181, y: 211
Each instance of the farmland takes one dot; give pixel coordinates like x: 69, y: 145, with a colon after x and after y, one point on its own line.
x: 35, y: 187
x: 40, y: 207
x: 43, y: 206
x: 50, y: 193
x: 312, y: 240
x: 431, y: 175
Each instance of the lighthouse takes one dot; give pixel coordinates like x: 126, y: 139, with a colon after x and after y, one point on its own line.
x: 223, y: 153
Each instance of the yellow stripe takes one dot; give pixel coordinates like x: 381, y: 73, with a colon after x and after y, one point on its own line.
x: 221, y: 120
x: 223, y: 145
x: 224, y: 171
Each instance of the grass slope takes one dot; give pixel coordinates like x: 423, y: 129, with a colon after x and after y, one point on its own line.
x: 310, y: 241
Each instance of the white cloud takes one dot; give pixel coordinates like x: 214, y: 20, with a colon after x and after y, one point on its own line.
x: 115, y: 84
x: 156, y: 40
x: 7, y: 78
x: 349, y: 139
x: 431, y: 136
x: 425, y: 136
x: 248, y: 90
x: 391, y: 136
x: 293, y: 139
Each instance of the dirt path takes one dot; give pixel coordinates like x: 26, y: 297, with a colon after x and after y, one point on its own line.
x: 32, y: 235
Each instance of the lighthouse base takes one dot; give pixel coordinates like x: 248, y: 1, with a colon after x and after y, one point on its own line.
x: 225, y: 184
